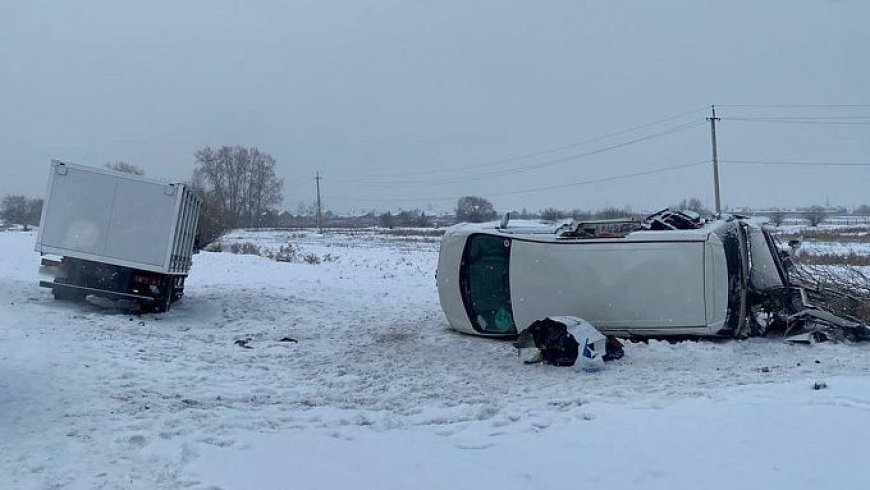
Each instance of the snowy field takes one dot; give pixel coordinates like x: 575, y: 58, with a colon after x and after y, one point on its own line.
x: 377, y: 393
x: 829, y: 238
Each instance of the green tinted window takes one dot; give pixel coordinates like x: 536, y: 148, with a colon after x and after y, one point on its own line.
x: 486, y: 284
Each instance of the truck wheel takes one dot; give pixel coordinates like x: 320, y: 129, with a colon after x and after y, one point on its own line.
x: 160, y: 304
x: 156, y: 306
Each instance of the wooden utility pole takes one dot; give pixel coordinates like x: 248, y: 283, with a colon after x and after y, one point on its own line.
x: 713, y: 120
x: 319, y: 221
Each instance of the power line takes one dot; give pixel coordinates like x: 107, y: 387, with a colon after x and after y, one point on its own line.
x: 797, y: 164
x: 545, y: 188
x: 604, y: 179
x: 800, y: 118
x: 524, y: 168
x: 862, y: 122
x: 795, y: 106
x: 548, y: 150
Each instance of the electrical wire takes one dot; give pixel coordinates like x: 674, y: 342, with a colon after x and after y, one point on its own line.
x: 545, y: 188
x: 797, y: 164
x: 794, y: 106
x: 605, y: 179
x: 548, y: 150
x: 525, y: 168
x: 801, y: 118
x: 813, y: 120
x: 862, y: 122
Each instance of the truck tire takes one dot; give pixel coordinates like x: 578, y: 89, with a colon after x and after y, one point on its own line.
x: 155, y: 306
x: 160, y: 304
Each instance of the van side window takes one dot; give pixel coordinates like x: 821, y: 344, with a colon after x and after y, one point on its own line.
x: 485, y: 283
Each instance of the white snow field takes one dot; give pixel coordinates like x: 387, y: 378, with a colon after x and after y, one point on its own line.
x: 377, y: 393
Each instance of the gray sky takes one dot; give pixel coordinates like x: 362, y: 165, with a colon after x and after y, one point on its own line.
x: 403, y: 104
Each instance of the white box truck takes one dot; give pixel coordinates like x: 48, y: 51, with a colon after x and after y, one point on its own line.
x: 117, y: 235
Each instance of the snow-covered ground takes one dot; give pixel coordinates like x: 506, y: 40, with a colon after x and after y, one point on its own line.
x: 377, y: 393
x: 828, y: 239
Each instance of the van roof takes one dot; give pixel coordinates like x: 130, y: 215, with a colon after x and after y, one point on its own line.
x: 542, y: 232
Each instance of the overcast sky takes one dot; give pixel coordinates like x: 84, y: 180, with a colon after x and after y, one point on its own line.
x: 402, y: 104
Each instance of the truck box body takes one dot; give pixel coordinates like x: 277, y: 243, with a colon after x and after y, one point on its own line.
x: 120, y: 219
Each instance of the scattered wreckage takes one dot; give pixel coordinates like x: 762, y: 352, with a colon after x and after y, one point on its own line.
x: 567, y: 341
x: 673, y: 275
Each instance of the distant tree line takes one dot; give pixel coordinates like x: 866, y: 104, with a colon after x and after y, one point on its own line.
x: 405, y: 219
x: 478, y: 209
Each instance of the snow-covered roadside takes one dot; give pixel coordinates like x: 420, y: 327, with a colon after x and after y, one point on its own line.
x: 773, y: 436
x: 93, y: 398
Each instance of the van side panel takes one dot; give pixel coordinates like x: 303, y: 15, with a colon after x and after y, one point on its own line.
x: 650, y: 286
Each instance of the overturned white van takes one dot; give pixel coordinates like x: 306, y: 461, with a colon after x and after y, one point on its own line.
x: 670, y: 275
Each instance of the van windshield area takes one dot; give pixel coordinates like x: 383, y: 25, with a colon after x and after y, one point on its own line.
x: 485, y: 284
x: 766, y: 270
x: 733, y: 243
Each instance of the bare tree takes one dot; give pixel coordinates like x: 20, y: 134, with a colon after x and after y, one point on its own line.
x: 34, y: 212
x: 411, y: 218
x: 238, y: 186
x: 20, y: 210
x: 777, y: 217
x: 613, y: 213
x: 125, y: 167
x: 387, y: 220
x: 552, y: 214
x: 580, y: 214
x: 474, y: 209
x: 14, y: 210
x: 423, y: 221
x: 306, y: 209
x: 264, y: 187
x: 815, y: 215
x: 693, y: 204
x: 844, y: 289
